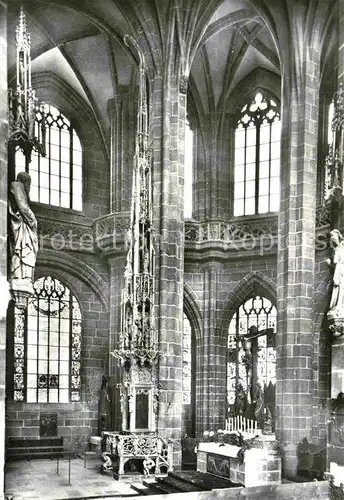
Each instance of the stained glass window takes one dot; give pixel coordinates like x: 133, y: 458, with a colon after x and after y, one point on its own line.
x: 57, y: 178
x: 47, y: 345
x: 257, y: 313
x: 257, y: 157
x: 187, y: 363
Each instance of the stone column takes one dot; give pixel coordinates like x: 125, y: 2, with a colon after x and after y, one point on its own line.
x: 3, y: 224
x: 296, y: 251
x: 212, y: 383
x: 122, y: 110
x: 167, y: 123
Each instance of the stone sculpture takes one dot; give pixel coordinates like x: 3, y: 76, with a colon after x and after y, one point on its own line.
x: 336, y: 309
x: 240, y: 401
x: 23, y: 240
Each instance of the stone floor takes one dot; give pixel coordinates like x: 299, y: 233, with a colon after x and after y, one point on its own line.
x: 38, y: 480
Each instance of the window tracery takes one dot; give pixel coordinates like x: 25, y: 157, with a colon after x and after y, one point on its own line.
x: 56, y: 179
x: 251, y: 362
x: 187, y: 361
x: 257, y: 157
x: 47, y: 345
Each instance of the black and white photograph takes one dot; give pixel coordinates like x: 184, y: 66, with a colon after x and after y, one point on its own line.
x: 172, y: 249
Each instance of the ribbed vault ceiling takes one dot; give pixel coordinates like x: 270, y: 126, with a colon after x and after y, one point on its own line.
x: 82, y: 42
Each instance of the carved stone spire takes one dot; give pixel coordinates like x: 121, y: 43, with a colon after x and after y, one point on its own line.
x: 137, y: 349
x: 23, y: 101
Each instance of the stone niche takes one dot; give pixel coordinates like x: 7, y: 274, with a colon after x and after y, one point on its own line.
x: 257, y: 466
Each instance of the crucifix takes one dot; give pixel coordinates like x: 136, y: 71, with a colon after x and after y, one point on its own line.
x: 249, y: 342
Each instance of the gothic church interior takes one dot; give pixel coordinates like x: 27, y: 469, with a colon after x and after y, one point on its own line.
x: 229, y: 104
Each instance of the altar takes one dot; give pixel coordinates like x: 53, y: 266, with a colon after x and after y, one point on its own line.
x: 259, y: 465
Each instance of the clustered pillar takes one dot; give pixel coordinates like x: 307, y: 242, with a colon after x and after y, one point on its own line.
x: 296, y: 254
x: 167, y: 122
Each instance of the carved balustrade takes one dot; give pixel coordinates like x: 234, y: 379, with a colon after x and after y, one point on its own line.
x: 109, y: 231
x: 121, y: 448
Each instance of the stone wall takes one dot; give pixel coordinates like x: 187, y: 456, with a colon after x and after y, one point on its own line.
x: 230, y: 283
x: 76, y: 421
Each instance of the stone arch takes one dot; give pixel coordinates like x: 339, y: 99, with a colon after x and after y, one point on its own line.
x: 74, y: 267
x: 51, y: 88
x: 191, y: 309
x: 253, y: 283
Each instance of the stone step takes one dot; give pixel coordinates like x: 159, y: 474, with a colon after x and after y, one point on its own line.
x: 161, y: 487
x: 141, y: 489
x: 178, y: 485
x: 203, y: 481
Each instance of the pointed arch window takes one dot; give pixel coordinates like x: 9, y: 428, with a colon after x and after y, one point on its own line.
x: 257, y: 157
x: 47, y: 345
x: 251, y: 360
x: 56, y: 179
x: 188, y: 378
x: 187, y: 364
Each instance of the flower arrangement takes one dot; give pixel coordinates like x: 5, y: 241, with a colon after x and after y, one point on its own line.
x: 234, y: 438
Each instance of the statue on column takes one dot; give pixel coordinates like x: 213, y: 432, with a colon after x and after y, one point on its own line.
x: 23, y: 240
x: 336, y: 309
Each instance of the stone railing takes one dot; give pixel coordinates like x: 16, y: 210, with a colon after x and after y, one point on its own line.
x: 238, y: 230
x: 64, y: 235
x: 110, y: 231
x: 231, y: 231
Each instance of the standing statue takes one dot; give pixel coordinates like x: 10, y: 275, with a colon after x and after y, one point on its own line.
x: 23, y: 237
x: 336, y: 309
x: 240, y: 402
x: 259, y: 406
